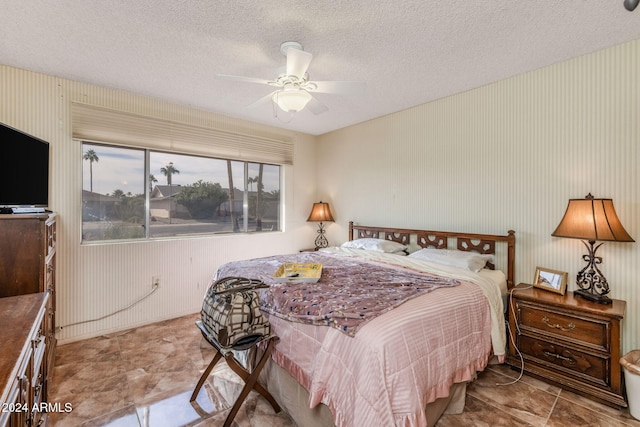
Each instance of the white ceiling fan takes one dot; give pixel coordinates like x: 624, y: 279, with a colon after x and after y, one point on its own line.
x: 294, y: 89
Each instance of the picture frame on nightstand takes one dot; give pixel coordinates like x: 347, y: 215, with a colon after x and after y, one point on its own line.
x: 550, y: 280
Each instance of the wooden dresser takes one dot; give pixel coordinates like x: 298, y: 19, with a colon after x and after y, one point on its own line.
x: 28, y: 266
x: 23, y: 356
x: 569, y: 341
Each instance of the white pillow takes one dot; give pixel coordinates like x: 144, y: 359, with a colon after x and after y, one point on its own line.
x: 468, y: 260
x: 379, y: 245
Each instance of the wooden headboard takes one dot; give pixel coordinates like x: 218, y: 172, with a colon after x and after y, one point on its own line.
x: 481, y: 243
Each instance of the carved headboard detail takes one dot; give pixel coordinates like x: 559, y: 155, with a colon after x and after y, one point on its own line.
x: 427, y: 239
x: 481, y: 243
x: 402, y: 238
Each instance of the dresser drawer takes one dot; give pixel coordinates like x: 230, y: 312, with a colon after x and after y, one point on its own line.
x: 574, y: 327
x: 572, y: 362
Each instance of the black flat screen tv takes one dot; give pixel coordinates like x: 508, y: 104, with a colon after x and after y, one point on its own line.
x: 24, y: 170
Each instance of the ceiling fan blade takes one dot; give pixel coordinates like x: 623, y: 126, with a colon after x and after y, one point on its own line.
x: 340, y: 87
x: 243, y: 79
x: 298, y: 62
x: 315, y: 106
x: 262, y: 101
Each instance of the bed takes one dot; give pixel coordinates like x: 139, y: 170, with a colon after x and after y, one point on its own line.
x: 419, y: 329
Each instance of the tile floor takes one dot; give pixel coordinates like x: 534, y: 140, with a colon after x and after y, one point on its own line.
x: 145, y: 376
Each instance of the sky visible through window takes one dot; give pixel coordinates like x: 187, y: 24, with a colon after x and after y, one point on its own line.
x: 123, y: 169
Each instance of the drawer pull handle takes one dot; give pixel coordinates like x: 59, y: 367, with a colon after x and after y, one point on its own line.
x: 557, y: 356
x: 571, y: 326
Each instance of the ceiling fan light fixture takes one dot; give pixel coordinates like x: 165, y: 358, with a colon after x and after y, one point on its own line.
x: 291, y: 100
x: 293, y: 91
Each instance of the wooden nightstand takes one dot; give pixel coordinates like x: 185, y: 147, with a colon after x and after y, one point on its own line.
x: 569, y: 341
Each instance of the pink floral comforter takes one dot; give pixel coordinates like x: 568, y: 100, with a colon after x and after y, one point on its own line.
x: 349, y: 293
x: 386, y: 373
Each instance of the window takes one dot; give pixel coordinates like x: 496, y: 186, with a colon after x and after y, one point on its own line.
x: 131, y: 193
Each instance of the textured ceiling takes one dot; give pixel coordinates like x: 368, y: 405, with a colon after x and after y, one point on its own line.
x: 408, y: 52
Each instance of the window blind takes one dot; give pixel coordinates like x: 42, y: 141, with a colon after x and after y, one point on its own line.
x: 99, y: 124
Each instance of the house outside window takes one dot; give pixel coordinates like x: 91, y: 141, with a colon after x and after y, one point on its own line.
x: 133, y: 193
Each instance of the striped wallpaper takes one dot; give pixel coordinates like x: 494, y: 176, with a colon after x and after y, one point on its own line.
x: 504, y: 156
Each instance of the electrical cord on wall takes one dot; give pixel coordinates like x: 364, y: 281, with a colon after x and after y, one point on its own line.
x: 511, y: 336
x: 153, y: 289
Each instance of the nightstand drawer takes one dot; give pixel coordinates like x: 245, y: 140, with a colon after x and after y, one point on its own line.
x: 565, y: 359
x: 576, y: 328
x: 568, y: 341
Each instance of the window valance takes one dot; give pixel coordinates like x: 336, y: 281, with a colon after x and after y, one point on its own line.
x: 99, y: 124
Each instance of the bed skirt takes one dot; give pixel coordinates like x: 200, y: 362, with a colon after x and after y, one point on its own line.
x: 294, y: 398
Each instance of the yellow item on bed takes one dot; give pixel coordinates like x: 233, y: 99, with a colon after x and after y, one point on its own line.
x: 298, y: 272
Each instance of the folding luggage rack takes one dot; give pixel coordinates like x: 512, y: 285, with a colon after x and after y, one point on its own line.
x: 248, y: 374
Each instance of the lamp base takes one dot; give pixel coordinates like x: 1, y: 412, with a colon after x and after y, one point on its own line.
x: 600, y: 299
x: 321, y: 240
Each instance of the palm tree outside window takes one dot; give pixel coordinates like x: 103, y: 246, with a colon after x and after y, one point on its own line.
x: 91, y: 156
x: 169, y: 171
